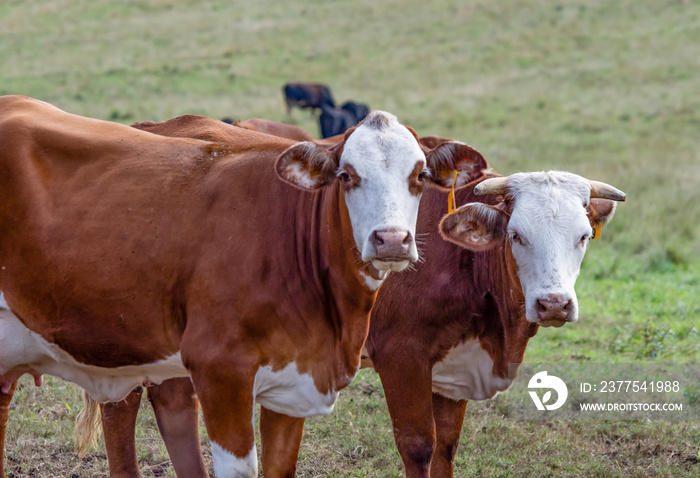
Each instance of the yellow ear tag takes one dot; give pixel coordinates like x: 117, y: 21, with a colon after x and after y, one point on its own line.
x: 451, y: 203
x: 597, y: 230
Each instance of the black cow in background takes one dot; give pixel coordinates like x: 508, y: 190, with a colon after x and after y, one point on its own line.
x: 335, y: 121
x: 307, y: 95
x: 358, y: 110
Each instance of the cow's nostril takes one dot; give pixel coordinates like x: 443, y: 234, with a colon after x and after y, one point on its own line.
x: 377, y: 238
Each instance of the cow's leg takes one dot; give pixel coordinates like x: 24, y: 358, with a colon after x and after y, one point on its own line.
x: 408, y: 390
x: 5, y: 399
x: 449, y: 416
x: 119, y: 426
x: 177, y: 413
x: 281, y: 438
x: 226, y: 396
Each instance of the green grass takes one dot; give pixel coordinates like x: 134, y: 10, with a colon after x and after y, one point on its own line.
x: 636, y: 318
x: 605, y: 89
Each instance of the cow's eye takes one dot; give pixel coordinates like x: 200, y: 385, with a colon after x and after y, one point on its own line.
x: 423, y: 175
x: 345, y: 177
x: 584, y: 238
x: 514, y: 237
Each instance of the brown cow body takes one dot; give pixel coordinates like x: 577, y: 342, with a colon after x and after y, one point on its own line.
x: 149, y: 281
x: 455, y: 341
x: 476, y: 306
x: 275, y: 128
x: 130, y: 258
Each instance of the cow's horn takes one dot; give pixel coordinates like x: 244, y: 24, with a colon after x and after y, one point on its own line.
x: 606, y: 191
x: 491, y: 186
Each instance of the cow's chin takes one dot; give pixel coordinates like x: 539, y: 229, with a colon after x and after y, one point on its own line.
x: 552, y: 323
x: 395, y: 265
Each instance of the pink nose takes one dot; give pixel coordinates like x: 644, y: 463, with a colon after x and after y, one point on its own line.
x: 392, y: 243
x: 553, y: 307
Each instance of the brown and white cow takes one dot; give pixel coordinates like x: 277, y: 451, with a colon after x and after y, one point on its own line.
x: 508, y: 265
x: 129, y: 258
x: 446, y: 332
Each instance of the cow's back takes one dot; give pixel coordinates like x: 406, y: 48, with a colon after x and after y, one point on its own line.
x: 275, y: 128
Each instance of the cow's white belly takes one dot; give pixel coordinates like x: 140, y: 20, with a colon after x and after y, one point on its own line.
x: 283, y: 391
x: 24, y: 350
x: 466, y: 373
x: 292, y: 393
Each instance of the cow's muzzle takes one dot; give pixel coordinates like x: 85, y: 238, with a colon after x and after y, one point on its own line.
x: 555, y: 310
x: 392, y: 249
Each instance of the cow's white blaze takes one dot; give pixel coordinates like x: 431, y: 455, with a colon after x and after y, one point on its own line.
x: 291, y: 393
x: 372, y: 283
x: 549, y: 232
x: 466, y: 373
x: 383, y: 153
x: 26, y: 351
x: 228, y: 465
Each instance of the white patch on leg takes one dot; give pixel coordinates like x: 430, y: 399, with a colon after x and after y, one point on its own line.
x: 228, y: 465
x: 466, y: 373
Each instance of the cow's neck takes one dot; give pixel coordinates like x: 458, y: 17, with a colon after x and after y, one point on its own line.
x: 476, y: 365
x: 509, y: 313
x: 507, y: 309
x: 343, y: 281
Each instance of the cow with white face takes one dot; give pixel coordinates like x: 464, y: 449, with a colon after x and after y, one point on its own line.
x: 378, y: 160
x: 546, y: 219
x: 508, y: 266
x: 395, y: 208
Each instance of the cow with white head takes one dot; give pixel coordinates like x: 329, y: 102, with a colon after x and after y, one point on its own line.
x: 376, y: 162
x: 548, y: 219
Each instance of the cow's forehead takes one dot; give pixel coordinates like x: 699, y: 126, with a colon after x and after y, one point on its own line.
x: 557, y: 185
x: 548, y: 200
x: 381, y: 141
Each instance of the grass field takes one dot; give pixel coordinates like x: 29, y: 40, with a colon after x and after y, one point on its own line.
x: 605, y: 89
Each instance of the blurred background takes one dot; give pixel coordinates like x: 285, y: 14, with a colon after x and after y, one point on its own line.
x: 606, y: 89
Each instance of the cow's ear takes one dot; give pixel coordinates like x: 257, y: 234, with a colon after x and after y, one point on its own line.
x: 600, y: 211
x: 453, y: 156
x: 307, y: 165
x: 475, y: 226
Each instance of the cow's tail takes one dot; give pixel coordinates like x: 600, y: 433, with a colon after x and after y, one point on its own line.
x: 88, y: 424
